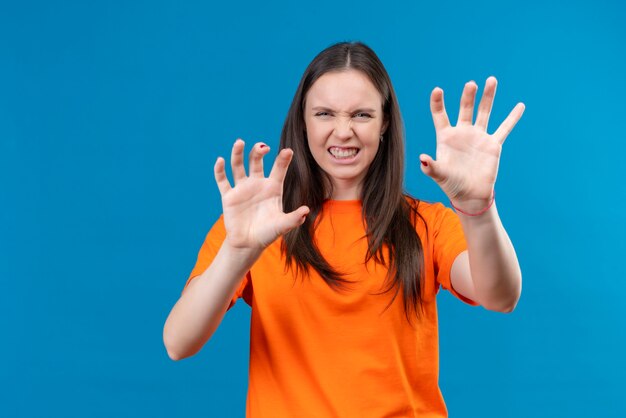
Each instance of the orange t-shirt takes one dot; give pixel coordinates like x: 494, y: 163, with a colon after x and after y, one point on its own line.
x: 317, y: 352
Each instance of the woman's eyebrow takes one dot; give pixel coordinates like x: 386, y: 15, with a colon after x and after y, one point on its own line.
x: 366, y: 109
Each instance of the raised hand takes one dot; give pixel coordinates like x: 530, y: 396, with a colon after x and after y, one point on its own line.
x: 253, y: 209
x: 467, y: 157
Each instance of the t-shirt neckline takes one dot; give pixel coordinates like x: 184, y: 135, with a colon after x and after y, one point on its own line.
x: 342, y: 206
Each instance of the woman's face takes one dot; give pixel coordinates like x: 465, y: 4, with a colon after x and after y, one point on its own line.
x: 344, y: 121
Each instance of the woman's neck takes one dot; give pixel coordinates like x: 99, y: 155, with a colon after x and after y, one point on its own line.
x: 345, y: 191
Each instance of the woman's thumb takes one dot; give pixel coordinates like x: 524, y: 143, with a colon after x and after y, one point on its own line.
x: 293, y: 219
x: 429, y: 166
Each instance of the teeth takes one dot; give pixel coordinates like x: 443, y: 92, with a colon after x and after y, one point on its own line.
x: 343, y: 152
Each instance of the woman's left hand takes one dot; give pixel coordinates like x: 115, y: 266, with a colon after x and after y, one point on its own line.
x: 467, y: 157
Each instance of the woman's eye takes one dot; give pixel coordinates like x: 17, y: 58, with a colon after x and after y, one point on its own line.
x: 363, y: 115
x: 322, y: 114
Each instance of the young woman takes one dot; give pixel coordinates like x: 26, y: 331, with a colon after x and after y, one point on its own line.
x: 340, y: 266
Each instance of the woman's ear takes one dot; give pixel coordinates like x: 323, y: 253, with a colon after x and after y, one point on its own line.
x: 385, y: 126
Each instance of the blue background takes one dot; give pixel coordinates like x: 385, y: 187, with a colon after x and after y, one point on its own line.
x: 113, y: 113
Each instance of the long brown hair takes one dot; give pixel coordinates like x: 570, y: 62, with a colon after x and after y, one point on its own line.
x: 388, y: 215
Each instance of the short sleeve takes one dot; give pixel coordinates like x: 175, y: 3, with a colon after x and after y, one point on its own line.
x: 449, y: 242
x: 212, y: 243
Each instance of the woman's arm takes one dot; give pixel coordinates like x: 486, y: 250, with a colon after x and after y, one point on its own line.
x: 201, y: 308
x: 466, y: 168
x: 488, y: 272
x: 253, y: 219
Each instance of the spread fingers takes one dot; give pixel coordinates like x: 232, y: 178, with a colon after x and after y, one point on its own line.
x: 466, y: 112
x: 279, y: 170
x: 256, y: 159
x: 486, y: 103
x: 236, y: 161
x: 220, y: 176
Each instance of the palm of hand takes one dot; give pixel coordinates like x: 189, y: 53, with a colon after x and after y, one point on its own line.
x: 468, y: 162
x: 467, y: 157
x: 253, y: 209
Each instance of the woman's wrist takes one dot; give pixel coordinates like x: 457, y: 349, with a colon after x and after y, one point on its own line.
x: 476, y: 212
x: 241, y: 252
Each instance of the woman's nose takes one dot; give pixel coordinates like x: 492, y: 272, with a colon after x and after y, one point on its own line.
x: 343, y: 126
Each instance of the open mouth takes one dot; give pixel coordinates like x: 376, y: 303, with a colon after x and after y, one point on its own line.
x: 342, y: 153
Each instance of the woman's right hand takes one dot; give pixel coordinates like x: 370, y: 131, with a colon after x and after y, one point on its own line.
x: 253, y: 209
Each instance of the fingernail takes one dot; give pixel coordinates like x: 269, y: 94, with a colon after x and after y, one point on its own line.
x: 262, y: 146
x: 424, y: 163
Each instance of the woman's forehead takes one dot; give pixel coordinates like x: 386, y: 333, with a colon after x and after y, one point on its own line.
x: 344, y: 91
